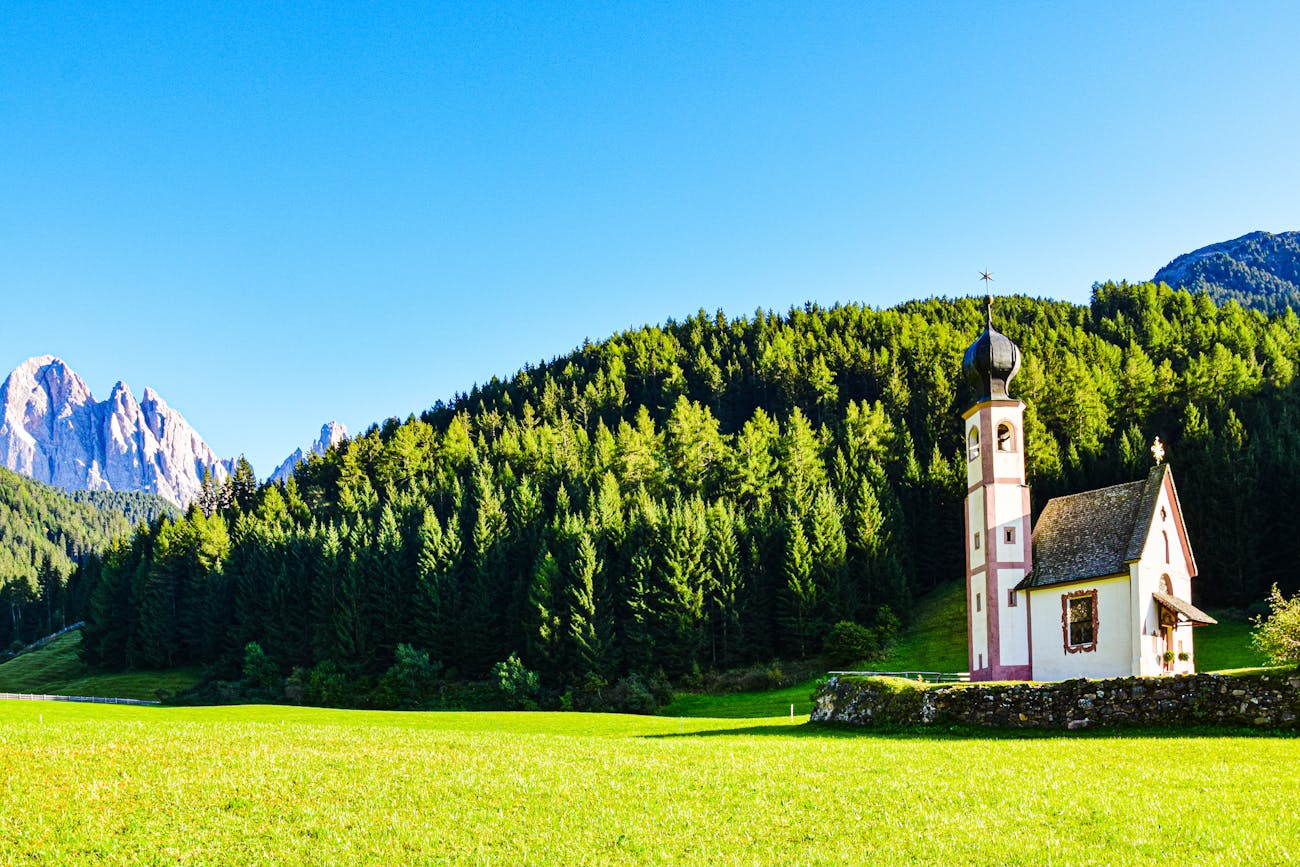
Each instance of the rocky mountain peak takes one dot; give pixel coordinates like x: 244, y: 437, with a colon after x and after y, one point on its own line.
x: 331, y: 434
x: 53, y: 430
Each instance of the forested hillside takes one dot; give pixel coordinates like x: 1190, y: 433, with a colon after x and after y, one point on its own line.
x: 1259, y: 270
x: 713, y: 492
x: 44, y: 531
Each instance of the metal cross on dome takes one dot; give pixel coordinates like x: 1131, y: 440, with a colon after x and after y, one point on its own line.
x: 1158, y: 451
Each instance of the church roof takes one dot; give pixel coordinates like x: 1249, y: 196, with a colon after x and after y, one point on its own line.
x: 992, y: 361
x: 1095, y: 533
x: 1185, y: 608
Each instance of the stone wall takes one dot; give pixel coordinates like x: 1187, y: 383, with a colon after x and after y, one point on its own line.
x: 1257, y: 700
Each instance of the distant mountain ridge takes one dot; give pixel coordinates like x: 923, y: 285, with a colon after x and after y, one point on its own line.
x: 53, y: 430
x: 1260, y: 270
x: 331, y: 434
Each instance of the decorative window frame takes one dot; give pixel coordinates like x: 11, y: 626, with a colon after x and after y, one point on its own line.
x: 1065, y: 622
x: 973, y: 444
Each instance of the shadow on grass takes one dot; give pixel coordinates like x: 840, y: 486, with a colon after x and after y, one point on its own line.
x: 836, y: 731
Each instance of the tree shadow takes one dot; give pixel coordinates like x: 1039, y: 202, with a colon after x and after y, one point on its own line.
x: 839, y: 731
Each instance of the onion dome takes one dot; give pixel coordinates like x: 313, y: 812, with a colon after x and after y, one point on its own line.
x: 992, y: 361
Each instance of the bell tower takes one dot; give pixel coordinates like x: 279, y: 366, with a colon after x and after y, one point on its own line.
x: 997, y: 511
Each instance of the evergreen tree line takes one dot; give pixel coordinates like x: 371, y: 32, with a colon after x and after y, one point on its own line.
x: 44, y: 532
x: 710, y: 493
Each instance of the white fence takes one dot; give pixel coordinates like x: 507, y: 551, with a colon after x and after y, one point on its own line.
x: 22, y: 696
x: 928, y: 676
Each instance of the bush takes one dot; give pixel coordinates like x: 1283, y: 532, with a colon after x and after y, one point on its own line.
x: 328, y: 685
x: 756, y: 678
x: 887, y: 625
x: 1278, y: 635
x: 849, y: 642
x: 411, y: 683
x: 631, y: 694
x: 518, y: 686
x: 261, y: 676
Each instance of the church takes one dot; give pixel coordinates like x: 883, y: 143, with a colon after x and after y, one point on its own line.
x: 1099, y: 587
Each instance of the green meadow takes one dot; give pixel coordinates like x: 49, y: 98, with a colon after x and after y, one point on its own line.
x: 57, y: 670
x: 257, y: 784
x: 727, y: 779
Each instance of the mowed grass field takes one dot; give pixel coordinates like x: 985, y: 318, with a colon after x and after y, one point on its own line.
x: 125, y: 785
x: 57, y: 670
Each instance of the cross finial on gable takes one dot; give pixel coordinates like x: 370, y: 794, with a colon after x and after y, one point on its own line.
x: 1158, y: 451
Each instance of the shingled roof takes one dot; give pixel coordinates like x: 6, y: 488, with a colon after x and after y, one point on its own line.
x: 1095, y: 533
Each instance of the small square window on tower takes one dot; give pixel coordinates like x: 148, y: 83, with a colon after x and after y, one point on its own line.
x: 977, y: 602
x: 1011, y: 598
x: 977, y: 541
x: 1009, y: 534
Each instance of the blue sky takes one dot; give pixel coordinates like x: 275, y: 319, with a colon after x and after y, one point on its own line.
x: 277, y: 215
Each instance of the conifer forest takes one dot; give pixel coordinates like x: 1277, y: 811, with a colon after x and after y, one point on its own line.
x: 709, y: 493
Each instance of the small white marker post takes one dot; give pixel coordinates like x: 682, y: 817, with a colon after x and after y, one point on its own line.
x: 791, y: 713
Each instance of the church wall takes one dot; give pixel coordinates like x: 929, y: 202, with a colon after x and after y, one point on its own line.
x: 1013, y: 631
x: 975, y: 524
x: 1006, y: 465
x: 1009, y: 464
x: 973, y: 454
x: 1148, y: 574
x: 997, y: 503
x: 1112, y: 656
x: 978, y: 623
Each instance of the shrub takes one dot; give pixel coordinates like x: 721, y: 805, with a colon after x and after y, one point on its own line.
x: 849, y: 642
x: 260, y: 672
x: 631, y: 694
x: 329, y: 686
x: 411, y: 683
x: 1278, y: 635
x: 887, y: 625
x: 756, y: 678
x: 518, y: 685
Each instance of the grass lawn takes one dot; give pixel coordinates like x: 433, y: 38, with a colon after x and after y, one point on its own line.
x: 57, y: 670
x: 300, y: 786
x: 935, y: 641
x: 1225, y: 645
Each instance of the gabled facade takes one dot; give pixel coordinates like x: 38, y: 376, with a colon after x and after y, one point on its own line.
x: 1102, y: 586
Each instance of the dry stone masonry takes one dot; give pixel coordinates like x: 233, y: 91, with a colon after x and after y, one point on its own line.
x: 1270, y: 701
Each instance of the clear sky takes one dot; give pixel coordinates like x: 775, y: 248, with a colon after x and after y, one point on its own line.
x: 281, y: 214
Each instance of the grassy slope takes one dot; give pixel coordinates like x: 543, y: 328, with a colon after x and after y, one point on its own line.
x: 56, y: 670
x: 300, y: 786
x: 936, y: 641
x: 1225, y: 645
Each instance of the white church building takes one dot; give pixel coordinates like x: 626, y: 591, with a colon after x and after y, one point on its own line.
x: 1099, y: 587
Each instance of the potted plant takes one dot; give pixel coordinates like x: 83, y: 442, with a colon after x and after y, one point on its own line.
x: 1168, y: 657
x: 1183, y: 656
